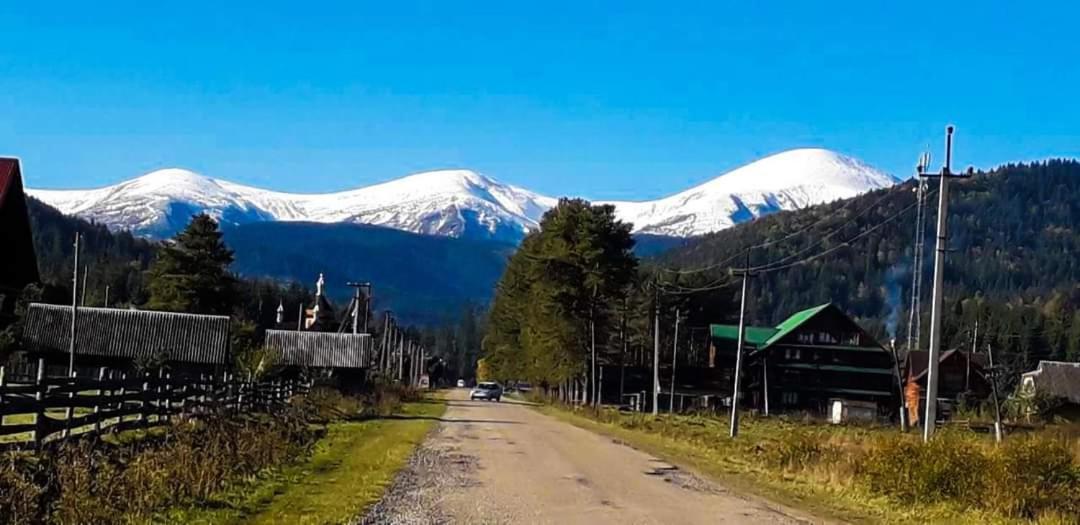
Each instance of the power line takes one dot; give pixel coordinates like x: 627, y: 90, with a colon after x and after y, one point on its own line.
x: 827, y: 236
x: 765, y: 244
x: 769, y: 269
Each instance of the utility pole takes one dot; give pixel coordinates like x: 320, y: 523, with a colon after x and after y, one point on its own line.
x: 594, y: 394
x: 939, y: 279
x: 900, y: 386
x: 401, y: 357
x: 967, y: 371
x: 74, y: 307
x: 300, y: 317
x: 656, y: 349
x: 622, y: 356
x: 85, y: 274
x: 999, y: 433
x: 356, y: 308
x: 734, y: 431
x: 674, y: 359
x: 106, y: 305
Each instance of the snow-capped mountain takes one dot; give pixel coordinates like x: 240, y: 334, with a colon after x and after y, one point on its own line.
x: 463, y: 203
x: 455, y: 203
x: 785, y: 181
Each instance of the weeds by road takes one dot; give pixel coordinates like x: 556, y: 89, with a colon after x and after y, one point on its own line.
x: 864, y: 474
x: 348, y: 471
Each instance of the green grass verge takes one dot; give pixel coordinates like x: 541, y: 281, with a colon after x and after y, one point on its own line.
x: 348, y: 471
x: 730, y: 463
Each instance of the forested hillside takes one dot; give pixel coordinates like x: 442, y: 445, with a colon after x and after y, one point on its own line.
x: 1013, y: 264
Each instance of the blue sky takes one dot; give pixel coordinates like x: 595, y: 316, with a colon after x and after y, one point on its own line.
x: 600, y: 99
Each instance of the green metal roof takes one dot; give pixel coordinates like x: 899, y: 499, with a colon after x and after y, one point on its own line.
x: 762, y: 337
x: 755, y: 335
x: 794, y: 321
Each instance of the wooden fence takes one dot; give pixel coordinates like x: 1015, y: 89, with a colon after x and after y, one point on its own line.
x: 46, y: 409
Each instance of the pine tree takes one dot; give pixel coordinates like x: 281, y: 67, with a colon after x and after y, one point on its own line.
x: 191, y: 273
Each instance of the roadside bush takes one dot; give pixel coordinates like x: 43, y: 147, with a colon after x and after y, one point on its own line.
x: 20, y: 493
x: 948, y: 468
x: 1032, y: 477
x: 94, y: 481
x: 323, y: 404
x: 794, y: 451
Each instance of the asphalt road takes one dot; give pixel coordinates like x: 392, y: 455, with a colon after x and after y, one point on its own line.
x: 506, y: 463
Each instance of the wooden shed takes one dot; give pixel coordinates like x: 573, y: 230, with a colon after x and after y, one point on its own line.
x: 320, y: 349
x: 121, y: 337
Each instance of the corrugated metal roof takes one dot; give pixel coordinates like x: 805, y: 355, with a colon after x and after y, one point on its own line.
x: 755, y: 335
x: 1058, y: 379
x: 320, y: 349
x: 132, y: 334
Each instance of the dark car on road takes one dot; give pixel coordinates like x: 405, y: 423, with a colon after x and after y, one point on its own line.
x: 486, y: 390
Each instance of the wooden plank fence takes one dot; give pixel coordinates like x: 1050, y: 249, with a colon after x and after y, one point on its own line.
x: 47, y: 409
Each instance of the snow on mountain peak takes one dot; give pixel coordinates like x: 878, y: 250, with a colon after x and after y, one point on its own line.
x: 464, y: 203
x: 788, y: 180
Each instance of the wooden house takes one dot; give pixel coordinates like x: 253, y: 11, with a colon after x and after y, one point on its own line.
x: 1057, y: 382
x: 810, y: 362
x: 962, y: 375
x: 120, y: 338
x: 18, y: 265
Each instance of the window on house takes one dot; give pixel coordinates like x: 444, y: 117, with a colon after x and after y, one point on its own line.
x: 790, y: 398
x: 792, y: 354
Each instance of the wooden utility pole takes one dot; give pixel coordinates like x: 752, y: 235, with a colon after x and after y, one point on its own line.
x: 74, y: 307
x: 674, y: 359
x: 900, y: 386
x: 734, y: 430
x: 85, y: 274
x: 356, y: 305
x: 594, y: 387
x: 937, y: 298
x: 656, y: 349
x: 999, y: 432
x: 622, y: 356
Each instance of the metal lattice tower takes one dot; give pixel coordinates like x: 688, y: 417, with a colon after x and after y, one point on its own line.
x: 914, y: 331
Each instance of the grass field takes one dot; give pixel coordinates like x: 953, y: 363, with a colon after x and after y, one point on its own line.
x: 812, y: 467
x: 348, y: 471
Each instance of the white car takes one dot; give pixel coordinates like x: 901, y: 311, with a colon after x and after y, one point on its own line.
x: 487, y: 391
x: 461, y: 383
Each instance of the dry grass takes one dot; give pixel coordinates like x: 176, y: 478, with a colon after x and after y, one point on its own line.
x: 868, y: 473
x: 132, y: 477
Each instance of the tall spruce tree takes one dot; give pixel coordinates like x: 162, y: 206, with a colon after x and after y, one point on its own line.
x: 191, y: 272
x: 564, y: 281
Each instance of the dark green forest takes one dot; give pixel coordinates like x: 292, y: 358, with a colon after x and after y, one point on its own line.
x: 121, y: 265
x: 1013, y: 261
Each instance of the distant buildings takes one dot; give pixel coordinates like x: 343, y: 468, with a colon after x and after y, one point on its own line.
x: 962, y: 375
x: 1058, y: 384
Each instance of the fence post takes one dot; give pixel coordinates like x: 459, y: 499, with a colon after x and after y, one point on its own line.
x: 146, y: 410
x: 97, y: 401
x: 168, y: 397
x: 121, y: 403
x: 39, y: 396
x: 2, y: 383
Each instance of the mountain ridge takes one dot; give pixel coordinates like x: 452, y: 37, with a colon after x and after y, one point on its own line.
x: 465, y: 204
